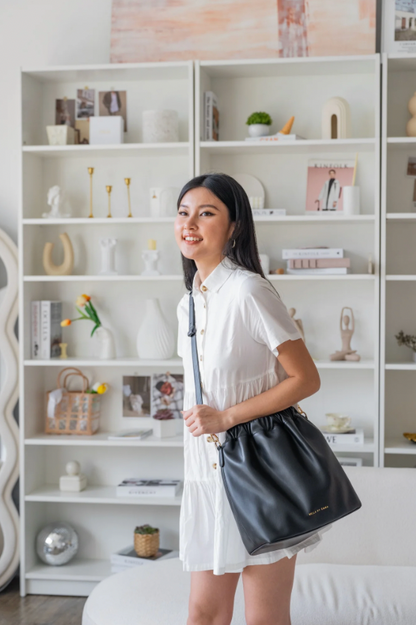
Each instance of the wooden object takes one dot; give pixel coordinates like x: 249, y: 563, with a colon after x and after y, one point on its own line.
x: 65, y: 268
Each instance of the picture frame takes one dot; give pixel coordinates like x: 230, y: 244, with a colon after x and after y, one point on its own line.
x: 399, y: 26
x: 167, y: 395
x: 136, y: 398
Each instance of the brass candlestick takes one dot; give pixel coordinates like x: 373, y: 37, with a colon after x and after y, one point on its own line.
x: 108, y: 189
x: 90, y: 171
x: 127, y: 181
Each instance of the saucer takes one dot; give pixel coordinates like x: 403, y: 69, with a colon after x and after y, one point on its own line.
x: 346, y: 429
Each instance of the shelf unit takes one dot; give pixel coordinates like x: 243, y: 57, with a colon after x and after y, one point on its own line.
x: 398, y: 275
x: 104, y: 522
x: 300, y: 87
x: 242, y: 86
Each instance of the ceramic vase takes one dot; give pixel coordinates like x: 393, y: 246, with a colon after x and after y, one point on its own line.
x: 105, y: 347
x: 155, y: 339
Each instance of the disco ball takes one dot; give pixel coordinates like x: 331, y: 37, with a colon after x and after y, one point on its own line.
x: 57, y: 543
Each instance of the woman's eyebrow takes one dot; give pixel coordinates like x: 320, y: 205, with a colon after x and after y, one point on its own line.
x: 203, y: 206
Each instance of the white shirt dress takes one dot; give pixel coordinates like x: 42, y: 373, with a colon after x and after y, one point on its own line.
x: 240, y: 322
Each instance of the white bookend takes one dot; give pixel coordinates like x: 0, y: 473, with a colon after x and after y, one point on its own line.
x: 36, y: 334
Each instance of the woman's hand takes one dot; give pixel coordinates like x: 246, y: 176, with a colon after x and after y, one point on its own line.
x: 202, y: 419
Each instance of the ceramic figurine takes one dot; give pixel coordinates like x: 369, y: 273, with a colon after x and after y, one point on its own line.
x: 150, y: 257
x: 336, y: 119
x: 55, y: 199
x: 74, y: 481
x: 346, y: 353
x: 65, y: 268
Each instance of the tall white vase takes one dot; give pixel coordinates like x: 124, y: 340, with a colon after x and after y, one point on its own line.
x: 155, y: 339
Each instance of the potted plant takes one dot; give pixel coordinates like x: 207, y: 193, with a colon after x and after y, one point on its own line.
x: 164, y: 423
x: 259, y: 124
x: 409, y: 340
x: 146, y: 541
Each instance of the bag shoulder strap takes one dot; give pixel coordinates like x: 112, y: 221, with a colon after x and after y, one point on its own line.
x: 192, y: 334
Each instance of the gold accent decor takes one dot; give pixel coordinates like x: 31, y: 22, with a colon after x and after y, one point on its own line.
x: 90, y: 171
x: 411, y: 436
x: 127, y: 181
x: 108, y: 189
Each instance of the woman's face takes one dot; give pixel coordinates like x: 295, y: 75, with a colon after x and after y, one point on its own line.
x: 202, y: 216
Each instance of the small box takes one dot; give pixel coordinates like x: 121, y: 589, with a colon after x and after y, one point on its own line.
x: 60, y: 135
x: 164, y: 428
x: 106, y: 130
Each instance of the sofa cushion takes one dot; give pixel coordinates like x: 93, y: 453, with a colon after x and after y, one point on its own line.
x: 323, y: 594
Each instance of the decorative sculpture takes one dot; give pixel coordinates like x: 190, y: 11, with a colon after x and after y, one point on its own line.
x: 150, y: 257
x: 108, y: 257
x: 346, y: 353
x: 127, y: 181
x: 9, y: 432
x: 336, y: 119
x: 57, y: 543
x: 65, y: 268
x: 287, y: 127
x: 90, y: 171
x: 55, y: 199
x: 74, y: 480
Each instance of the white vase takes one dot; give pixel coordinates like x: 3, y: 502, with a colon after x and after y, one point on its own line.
x: 105, y: 347
x: 155, y: 339
x: 258, y: 130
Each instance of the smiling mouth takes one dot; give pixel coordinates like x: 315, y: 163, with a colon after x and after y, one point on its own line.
x: 192, y: 240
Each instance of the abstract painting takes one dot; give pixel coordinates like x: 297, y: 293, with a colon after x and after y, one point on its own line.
x: 178, y: 30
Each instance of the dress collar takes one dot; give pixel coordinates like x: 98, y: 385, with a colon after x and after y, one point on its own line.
x: 217, y: 277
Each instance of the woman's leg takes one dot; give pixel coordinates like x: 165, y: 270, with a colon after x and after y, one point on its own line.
x: 267, y: 592
x: 211, y: 599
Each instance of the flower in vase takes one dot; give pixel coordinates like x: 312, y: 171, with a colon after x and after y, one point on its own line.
x: 88, y: 312
x: 66, y: 322
x: 100, y: 387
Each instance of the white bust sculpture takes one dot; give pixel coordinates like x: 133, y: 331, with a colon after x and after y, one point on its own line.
x: 55, y: 199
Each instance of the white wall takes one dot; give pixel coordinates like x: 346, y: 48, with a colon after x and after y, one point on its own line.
x: 36, y: 33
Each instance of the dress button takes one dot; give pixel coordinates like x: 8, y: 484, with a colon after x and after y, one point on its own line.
x: 214, y: 465
x: 204, y: 288
x: 202, y: 331
x: 200, y: 358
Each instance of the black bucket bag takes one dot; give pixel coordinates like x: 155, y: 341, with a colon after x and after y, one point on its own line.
x: 281, y: 478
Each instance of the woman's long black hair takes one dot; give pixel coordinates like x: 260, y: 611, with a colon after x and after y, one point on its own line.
x: 232, y: 194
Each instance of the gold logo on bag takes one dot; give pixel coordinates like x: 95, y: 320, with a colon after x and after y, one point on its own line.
x: 318, y: 510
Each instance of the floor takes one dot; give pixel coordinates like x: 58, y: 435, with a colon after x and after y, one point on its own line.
x: 38, y: 609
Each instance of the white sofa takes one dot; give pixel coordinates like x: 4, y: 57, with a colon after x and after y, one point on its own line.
x: 362, y: 573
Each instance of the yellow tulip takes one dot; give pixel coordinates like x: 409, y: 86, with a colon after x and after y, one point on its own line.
x: 81, y: 301
x: 100, y: 387
x: 66, y: 322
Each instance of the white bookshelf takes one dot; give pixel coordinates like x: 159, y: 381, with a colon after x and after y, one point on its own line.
x: 104, y: 522
x: 300, y: 87
x: 283, y: 87
x: 398, y: 262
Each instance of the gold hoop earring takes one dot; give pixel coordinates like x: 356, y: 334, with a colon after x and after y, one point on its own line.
x: 233, y: 245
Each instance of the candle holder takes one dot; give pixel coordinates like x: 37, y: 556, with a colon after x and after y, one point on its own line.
x: 108, y: 189
x: 127, y: 181
x: 90, y: 171
x: 63, y: 347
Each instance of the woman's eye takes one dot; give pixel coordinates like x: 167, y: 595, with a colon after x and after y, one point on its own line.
x: 203, y: 213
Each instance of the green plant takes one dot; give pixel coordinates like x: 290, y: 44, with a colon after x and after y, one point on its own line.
x: 146, y: 529
x: 259, y: 118
x: 406, y: 339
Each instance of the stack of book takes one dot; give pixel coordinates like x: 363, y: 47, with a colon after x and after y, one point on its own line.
x: 46, y: 329
x: 315, y: 260
x: 211, y: 117
x: 135, y: 487
x: 127, y: 558
x: 356, y: 437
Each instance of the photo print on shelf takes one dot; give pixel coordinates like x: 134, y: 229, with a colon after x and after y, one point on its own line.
x: 136, y: 395
x: 167, y: 395
x: 325, y: 182
x: 113, y: 103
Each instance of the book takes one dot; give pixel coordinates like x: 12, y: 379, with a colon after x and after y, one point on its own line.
x: 51, y: 330
x: 269, y: 211
x: 317, y: 263
x: 325, y: 183
x: 133, y: 487
x: 36, y: 330
x: 322, y: 270
x: 129, y: 435
x: 313, y: 252
x: 355, y: 438
x: 127, y: 557
x: 211, y: 117
x: 277, y: 137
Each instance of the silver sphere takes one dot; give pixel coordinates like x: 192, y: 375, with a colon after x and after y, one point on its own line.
x: 57, y: 543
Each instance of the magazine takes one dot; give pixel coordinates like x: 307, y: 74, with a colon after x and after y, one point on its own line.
x: 155, y: 488
x: 128, y: 557
x: 129, y: 435
x: 326, y: 178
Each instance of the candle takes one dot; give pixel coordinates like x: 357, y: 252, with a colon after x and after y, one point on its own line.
x: 151, y: 244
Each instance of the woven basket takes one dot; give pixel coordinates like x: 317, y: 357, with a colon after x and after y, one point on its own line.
x: 146, y: 545
x: 78, y: 412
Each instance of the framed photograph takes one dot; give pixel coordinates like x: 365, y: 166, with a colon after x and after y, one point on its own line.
x: 83, y: 127
x: 325, y: 182
x: 113, y: 103
x: 65, y: 112
x: 85, y: 103
x: 167, y: 395
x: 137, y: 395
x: 345, y: 461
x: 399, y: 26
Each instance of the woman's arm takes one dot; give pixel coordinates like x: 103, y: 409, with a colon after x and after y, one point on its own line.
x: 303, y: 380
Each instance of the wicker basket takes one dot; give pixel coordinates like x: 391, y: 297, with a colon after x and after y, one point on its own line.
x: 78, y: 412
x: 146, y: 545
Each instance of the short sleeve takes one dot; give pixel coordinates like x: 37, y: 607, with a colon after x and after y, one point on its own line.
x: 265, y: 315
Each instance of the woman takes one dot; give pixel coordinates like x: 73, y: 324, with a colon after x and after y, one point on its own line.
x: 253, y: 362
